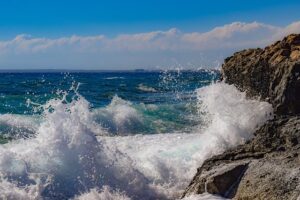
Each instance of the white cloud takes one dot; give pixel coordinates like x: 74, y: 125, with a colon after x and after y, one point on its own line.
x: 232, y: 35
x: 291, y: 28
x: 141, y: 49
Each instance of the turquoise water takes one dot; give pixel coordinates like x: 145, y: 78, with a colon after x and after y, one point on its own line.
x: 164, y: 99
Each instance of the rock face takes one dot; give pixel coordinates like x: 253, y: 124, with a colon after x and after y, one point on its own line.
x: 219, y: 180
x: 268, y: 166
x: 272, y: 73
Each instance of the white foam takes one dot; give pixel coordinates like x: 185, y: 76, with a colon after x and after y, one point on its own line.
x: 114, y: 77
x: 105, y: 194
x: 205, y: 196
x: 146, y: 88
x: 66, y: 160
x: 119, y: 116
x: 18, y: 126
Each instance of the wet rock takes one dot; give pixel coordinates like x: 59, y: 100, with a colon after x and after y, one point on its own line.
x: 219, y: 180
x: 273, y: 169
x: 272, y: 158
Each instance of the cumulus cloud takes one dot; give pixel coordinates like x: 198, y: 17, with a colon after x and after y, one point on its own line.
x: 140, y: 50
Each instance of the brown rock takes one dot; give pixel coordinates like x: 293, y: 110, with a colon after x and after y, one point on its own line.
x: 272, y: 157
x: 295, y: 55
x: 273, y: 74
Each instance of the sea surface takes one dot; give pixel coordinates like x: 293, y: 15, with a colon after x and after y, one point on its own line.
x: 116, y: 135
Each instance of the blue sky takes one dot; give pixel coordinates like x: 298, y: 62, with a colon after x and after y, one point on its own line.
x: 110, y: 17
x: 106, y: 34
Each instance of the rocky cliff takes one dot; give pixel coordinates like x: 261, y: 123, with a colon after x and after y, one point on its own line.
x: 268, y: 166
x: 271, y: 73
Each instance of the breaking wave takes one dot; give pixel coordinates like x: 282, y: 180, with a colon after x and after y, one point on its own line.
x: 76, y: 152
x: 146, y: 88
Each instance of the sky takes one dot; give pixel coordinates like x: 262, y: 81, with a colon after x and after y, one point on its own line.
x: 119, y: 34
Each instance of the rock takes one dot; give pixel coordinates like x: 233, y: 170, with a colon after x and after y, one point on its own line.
x: 219, y: 180
x: 273, y: 165
x: 267, y: 166
x: 272, y: 73
x: 274, y: 177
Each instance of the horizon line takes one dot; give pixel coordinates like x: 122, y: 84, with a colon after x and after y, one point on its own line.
x: 102, y: 70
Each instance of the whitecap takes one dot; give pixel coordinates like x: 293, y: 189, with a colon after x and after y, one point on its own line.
x: 114, y: 77
x: 145, y: 88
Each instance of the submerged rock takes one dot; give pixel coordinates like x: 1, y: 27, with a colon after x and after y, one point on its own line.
x: 268, y: 166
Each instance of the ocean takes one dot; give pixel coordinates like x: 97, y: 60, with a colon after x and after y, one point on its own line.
x: 116, y: 134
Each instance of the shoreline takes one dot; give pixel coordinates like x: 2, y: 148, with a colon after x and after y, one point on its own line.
x: 266, y: 167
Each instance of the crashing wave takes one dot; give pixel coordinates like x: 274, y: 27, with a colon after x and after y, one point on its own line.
x: 71, y: 154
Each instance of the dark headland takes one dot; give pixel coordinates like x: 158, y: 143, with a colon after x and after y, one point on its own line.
x: 268, y: 166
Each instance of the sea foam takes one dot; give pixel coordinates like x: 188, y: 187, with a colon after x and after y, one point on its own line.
x: 72, y: 156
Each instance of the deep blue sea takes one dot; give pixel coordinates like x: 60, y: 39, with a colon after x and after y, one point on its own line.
x: 116, y: 135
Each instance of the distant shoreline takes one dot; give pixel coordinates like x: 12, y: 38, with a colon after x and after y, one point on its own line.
x: 100, y: 71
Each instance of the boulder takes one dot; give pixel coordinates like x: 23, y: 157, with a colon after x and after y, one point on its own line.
x: 221, y: 180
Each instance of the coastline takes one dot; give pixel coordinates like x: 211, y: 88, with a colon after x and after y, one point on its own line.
x: 268, y: 166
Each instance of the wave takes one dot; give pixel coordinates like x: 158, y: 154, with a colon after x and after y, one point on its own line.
x: 114, y: 77
x: 107, y: 194
x: 18, y: 126
x: 145, y: 88
x: 73, y: 156
x: 119, y: 117
x: 122, y: 117
x: 104, y: 194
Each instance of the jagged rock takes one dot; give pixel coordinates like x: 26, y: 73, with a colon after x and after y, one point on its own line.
x: 219, y: 180
x: 272, y: 73
x: 273, y: 155
x: 273, y: 169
